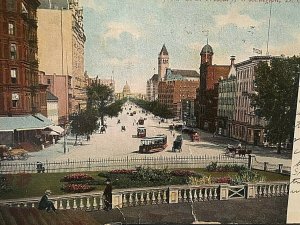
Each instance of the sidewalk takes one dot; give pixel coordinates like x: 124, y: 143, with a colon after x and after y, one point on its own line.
x: 241, y: 211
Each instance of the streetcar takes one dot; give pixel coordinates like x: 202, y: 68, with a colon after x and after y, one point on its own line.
x: 153, y: 144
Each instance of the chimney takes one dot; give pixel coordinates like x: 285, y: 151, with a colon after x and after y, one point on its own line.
x: 232, y: 58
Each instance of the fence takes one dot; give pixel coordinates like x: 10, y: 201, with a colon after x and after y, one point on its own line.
x: 161, y: 195
x: 106, y: 164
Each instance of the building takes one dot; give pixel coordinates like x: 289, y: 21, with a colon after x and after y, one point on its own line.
x: 108, y: 82
x: 207, y: 101
x: 61, y: 47
x: 226, y: 101
x: 52, y: 107
x: 152, y: 83
x: 247, y: 126
x: 59, y: 86
x: 20, y: 92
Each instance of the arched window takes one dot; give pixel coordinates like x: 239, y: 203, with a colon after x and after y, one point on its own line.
x: 13, y: 51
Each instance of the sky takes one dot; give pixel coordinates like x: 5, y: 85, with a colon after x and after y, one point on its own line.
x: 124, y: 37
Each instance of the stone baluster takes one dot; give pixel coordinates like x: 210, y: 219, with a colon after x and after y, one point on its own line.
x: 271, y: 190
x: 88, y: 203
x: 101, y: 202
x: 94, y: 202
x: 124, y: 199
x: 180, y: 196
x: 286, y: 189
x: 25, y: 204
x: 215, y: 193
x: 130, y: 199
x: 184, y: 195
x: 205, y: 194
x: 54, y: 202
x: 18, y: 205
x: 74, y: 203
x: 152, y: 198
x: 165, y: 196
x: 147, y: 198
x: 190, y: 196
x: 259, y: 191
x: 33, y: 206
x: 60, y: 206
x: 263, y: 189
x: 195, y: 198
x: 281, y: 189
x: 210, y: 194
x: 142, y: 198
x: 159, y: 197
x: 81, y: 205
x: 136, y: 200
x: 68, y: 204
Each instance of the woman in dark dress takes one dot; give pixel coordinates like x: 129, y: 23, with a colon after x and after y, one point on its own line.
x: 45, y: 203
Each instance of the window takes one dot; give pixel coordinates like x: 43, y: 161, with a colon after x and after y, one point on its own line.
x: 13, y: 75
x: 15, y: 98
x: 11, y: 5
x: 13, y: 51
x: 48, y: 81
x: 11, y: 28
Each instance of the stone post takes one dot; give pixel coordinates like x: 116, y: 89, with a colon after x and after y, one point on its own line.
x: 173, y: 195
x: 280, y: 168
x: 265, y: 166
x: 117, y: 201
x: 250, y: 190
x: 224, y: 191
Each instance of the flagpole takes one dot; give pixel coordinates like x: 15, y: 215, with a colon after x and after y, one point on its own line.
x: 267, y: 53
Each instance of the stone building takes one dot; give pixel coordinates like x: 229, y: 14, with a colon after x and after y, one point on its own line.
x: 52, y: 107
x: 20, y: 92
x: 152, y: 83
x: 226, y: 101
x: 61, y: 47
x: 207, y: 102
x: 247, y: 126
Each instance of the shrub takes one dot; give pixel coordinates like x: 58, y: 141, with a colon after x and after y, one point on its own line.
x: 226, y: 180
x: 213, y: 167
x: 77, y: 188
x: 77, y: 177
x: 200, y: 181
x: 183, y: 173
x: 247, y: 176
x: 122, y: 171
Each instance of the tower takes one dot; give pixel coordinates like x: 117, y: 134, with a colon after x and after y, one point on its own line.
x: 206, y: 55
x: 163, y: 62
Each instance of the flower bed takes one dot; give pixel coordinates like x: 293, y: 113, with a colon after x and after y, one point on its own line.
x: 77, y: 188
x: 77, y: 177
x: 214, y: 167
x: 122, y: 171
x: 184, y: 173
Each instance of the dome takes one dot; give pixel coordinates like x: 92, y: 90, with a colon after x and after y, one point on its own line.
x: 207, y: 49
x: 126, y: 88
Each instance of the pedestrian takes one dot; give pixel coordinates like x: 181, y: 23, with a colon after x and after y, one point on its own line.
x: 107, y: 195
x: 45, y: 203
x: 240, y: 145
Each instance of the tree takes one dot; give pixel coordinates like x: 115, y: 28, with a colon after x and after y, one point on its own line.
x: 101, y: 98
x: 276, y: 87
x: 84, y: 123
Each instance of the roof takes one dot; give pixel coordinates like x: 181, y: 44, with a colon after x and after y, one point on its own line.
x: 51, y: 97
x: 53, y: 4
x: 154, y: 77
x: 164, y: 50
x: 186, y: 73
x: 28, y: 122
x: 207, y: 49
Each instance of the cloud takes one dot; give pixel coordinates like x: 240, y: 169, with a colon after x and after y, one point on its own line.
x: 288, y: 48
x: 199, y: 45
x: 128, y: 63
x: 92, y: 4
x: 115, y: 29
x: 234, y: 17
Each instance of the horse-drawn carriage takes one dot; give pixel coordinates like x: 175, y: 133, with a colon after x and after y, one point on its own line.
x: 195, y: 136
x: 177, y: 144
x: 153, y: 144
x: 233, y: 150
x: 13, y: 154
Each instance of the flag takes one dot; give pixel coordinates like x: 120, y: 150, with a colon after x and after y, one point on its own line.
x: 257, y: 51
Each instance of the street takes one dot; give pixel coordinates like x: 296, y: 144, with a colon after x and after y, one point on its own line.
x: 117, y: 143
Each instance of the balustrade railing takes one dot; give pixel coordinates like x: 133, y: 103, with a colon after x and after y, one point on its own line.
x: 160, y: 195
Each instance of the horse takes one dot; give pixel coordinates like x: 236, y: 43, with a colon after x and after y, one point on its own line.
x: 102, y: 129
x: 123, y: 128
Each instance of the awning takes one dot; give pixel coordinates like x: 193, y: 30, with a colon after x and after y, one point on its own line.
x: 28, y: 122
x: 56, y: 129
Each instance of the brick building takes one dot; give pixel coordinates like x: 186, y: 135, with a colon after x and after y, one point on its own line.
x: 207, y: 102
x: 20, y: 92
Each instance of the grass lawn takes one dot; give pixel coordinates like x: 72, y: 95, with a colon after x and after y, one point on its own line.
x: 34, y: 185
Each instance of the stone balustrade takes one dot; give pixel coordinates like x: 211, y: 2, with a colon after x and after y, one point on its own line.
x: 160, y: 195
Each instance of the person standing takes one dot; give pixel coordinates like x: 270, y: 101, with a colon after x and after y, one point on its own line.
x: 45, y: 203
x: 107, y: 194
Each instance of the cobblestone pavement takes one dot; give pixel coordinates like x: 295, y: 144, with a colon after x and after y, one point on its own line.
x: 237, y: 211
x: 115, y: 143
